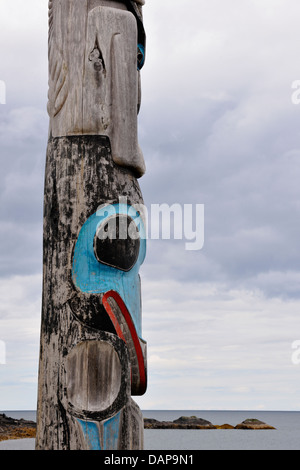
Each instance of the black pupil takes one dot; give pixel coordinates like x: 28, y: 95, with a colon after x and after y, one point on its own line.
x: 117, y: 242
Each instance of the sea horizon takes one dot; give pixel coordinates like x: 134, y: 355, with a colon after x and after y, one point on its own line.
x: 284, y: 437
x: 185, y: 409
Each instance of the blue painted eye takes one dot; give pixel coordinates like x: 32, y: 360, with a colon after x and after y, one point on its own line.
x: 140, y: 56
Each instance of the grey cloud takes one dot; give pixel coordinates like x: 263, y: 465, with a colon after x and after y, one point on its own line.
x: 238, y: 155
x: 22, y: 142
x: 216, y: 127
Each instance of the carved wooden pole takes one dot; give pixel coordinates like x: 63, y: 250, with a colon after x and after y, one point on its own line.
x: 92, y: 355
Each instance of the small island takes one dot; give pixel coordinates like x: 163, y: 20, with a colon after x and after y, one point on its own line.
x: 192, y: 422
x: 253, y: 424
x: 184, y: 422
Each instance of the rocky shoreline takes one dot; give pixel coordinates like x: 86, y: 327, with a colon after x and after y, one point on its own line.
x: 192, y: 422
x: 11, y: 428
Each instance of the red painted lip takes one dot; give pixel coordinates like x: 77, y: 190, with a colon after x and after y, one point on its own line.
x: 134, y: 337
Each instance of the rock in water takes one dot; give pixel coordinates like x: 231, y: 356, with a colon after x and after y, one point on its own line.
x: 184, y: 422
x: 192, y: 420
x: 253, y: 424
x: 11, y: 428
x: 224, y: 426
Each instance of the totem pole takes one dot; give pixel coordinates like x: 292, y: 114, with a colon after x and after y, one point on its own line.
x: 92, y: 354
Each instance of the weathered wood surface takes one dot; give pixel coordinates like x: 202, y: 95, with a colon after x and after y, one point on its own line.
x: 92, y: 355
x: 93, y: 78
x: 80, y: 177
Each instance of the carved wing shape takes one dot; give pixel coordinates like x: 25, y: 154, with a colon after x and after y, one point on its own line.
x: 58, y: 69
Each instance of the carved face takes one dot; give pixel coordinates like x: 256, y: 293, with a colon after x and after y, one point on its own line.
x: 107, y: 257
x: 109, y: 251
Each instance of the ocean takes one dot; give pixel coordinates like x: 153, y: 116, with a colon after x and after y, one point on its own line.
x: 285, y: 437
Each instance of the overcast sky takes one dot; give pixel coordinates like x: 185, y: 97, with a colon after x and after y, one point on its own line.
x: 217, y: 127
